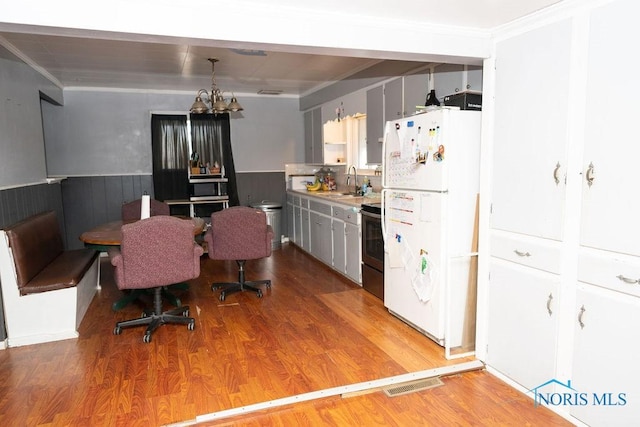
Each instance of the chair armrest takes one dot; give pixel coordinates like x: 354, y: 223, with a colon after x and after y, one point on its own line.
x: 197, y: 253
x: 208, y: 237
x: 115, y: 257
x: 197, y: 250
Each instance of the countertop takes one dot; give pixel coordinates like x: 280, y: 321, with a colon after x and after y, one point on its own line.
x: 338, y: 197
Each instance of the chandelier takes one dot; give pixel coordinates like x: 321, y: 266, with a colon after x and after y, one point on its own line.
x: 215, y: 101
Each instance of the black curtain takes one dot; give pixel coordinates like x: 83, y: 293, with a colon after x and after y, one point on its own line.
x: 170, y: 152
x: 211, y: 136
x: 211, y: 139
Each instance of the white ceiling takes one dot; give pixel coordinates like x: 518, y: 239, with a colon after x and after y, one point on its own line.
x: 117, y: 61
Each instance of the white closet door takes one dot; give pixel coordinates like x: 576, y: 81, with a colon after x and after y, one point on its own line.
x: 530, y: 135
x: 610, y: 205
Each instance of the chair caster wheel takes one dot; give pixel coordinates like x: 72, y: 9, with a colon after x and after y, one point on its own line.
x: 222, y: 296
x: 191, y: 326
x: 214, y: 288
x: 259, y: 293
x: 185, y: 313
x: 146, y: 338
x: 117, y: 330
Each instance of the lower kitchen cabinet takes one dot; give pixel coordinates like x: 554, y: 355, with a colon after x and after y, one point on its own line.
x: 290, y: 215
x: 321, y: 246
x: 339, y: 247
x: 330, y: 232
x: 605, y: 357
x: 297, y: 226
x: 353, y: 242
x: 305, y: 233
x: 523, y: 323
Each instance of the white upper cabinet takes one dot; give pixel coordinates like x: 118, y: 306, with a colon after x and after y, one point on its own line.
x: 313, y: 146
x: 610, y: 202
x: 375, y: 124
x: 416, y: 87
x: 448, y: 79
x: 474, y: 78
x: 393, y: 108
x: 530, y: 133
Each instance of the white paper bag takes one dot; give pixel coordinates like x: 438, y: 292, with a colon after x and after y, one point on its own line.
x: 145, y: 207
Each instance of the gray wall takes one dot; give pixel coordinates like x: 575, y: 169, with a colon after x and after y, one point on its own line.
x: 109, y: 133
x: 22, y: 159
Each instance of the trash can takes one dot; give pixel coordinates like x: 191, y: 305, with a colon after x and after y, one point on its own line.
x: 274, y: 214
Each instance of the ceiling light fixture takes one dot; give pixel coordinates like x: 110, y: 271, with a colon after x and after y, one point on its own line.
x: 215, y: 101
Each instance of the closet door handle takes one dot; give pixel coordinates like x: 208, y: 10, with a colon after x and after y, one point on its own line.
x: 628, y: 280
x: 549, y: 304
x: 580, y: 316
x: 555, y: 173
x: 590, y: 175
x: 520, y: 253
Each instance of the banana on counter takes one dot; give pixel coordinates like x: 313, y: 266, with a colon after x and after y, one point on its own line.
x: 315, y: 186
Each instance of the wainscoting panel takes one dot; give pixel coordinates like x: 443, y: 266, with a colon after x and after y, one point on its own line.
x: 19, y: 203
x: 93, y: 200
x: 90, y: 201
x: 253, y: 187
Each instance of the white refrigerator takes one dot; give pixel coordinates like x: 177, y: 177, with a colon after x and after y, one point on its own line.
x: 430, y: 190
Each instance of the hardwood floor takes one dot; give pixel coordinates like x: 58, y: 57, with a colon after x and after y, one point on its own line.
x: 313, y: 330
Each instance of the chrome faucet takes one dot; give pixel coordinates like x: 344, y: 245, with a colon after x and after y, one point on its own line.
x: 355, y: 173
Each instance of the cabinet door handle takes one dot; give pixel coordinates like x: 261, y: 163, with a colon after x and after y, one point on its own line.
x: 549, y: 304
x: 520, y: 253
x: 628, y: 280
x: 555, y: 173
x: 590, y: 175
x: 580, y: 316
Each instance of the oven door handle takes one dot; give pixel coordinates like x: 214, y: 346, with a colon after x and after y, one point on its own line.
x: 370, y: 214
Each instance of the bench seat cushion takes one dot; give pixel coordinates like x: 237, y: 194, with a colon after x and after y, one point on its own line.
x: 65, y: 271
x: 35, y: 242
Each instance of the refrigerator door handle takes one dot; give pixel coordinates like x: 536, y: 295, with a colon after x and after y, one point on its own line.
x: 384, y: 143
x: 383, y: 219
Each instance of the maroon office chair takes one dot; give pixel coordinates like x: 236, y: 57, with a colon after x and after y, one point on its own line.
x: 131, y: 211
x: 239, y: 233
x: 156, y: 252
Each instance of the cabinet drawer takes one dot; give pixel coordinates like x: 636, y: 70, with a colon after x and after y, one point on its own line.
x: 337, y: 212
x: 531, y: 252
x: 319, y: 207
x: 304, y: 202
x: 352, y: 216
x: 608, y: 270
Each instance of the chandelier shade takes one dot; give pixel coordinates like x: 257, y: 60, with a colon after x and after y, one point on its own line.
x: 214, y: 101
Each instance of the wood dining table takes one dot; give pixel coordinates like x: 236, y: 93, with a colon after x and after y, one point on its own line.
x: 109, y: 235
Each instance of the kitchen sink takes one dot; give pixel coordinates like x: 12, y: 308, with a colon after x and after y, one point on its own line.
x: 336, y: 194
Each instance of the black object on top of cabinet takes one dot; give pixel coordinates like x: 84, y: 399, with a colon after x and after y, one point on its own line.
x: 465, y: 100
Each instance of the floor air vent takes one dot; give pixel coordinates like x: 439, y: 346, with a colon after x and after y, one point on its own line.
x: 413, y: 386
